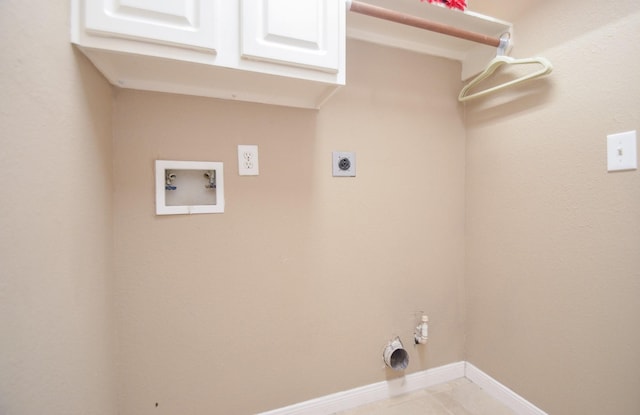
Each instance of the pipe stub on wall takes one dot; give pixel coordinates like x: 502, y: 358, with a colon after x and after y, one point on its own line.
x: 395, y: 356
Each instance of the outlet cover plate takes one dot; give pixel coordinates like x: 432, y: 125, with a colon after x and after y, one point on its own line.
x: 622, y: 153
x: 248, y: 160
x: 344, y: 164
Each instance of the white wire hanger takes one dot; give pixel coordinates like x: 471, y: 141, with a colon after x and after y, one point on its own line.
x: 499, y: 61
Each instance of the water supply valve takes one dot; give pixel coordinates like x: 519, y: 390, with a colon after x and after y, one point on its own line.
x: 422, y: 330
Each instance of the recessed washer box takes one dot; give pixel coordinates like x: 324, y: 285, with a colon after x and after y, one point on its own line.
x: 189, y: 187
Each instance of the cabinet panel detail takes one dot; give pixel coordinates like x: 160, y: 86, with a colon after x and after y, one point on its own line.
x: 302, y: 32
x: 183, y: 22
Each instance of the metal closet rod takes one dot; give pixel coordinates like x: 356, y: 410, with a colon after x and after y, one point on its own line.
x: 409, y: 20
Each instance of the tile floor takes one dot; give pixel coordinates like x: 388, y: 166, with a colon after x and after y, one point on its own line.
x: 458, y: 397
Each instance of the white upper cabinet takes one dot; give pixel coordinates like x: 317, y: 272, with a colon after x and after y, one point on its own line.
x: 181, y: 22
x: 284, y: 52
x: 304, y: 33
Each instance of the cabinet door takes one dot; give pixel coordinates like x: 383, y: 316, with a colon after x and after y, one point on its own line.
x: 297, y: 32
x: 188, y: 23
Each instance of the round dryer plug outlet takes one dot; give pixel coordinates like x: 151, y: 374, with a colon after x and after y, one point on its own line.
x: 344, y: 164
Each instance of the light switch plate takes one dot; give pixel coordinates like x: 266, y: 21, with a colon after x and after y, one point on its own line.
x: 622, y: 153
x: 344, y: 164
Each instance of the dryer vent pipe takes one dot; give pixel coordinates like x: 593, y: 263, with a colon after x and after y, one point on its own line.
x: 395, y: 356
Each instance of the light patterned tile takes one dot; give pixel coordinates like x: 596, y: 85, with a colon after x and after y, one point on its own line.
x: 448, y: 386
x: 470, y: 399
x: 458, y: 397
x: 449, y: 402
x: 372, y: 408
x: 423, y: 405
x: 417, y: 403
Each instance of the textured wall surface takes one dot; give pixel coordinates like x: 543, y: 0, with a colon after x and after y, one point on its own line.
x: 57, y: 337
x: 553, y: 239
x: 294, y: 291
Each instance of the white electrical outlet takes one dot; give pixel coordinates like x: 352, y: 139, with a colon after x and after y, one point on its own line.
x: 344, y: 164
x: 248, y: 160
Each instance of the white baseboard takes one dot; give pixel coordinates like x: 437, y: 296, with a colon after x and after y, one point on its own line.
x: 363, y: 395
x: 500, y: 392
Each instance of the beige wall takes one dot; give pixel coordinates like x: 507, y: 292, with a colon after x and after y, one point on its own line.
x: 294, y: 291
x: 56, y: 325
x: 553, y: 240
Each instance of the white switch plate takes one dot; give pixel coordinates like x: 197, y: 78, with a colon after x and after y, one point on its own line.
x: 248, y: 160
x: 622, y: 153
x: 344, y: 164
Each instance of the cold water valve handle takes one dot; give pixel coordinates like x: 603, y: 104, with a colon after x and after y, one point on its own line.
x: 169, y: 177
